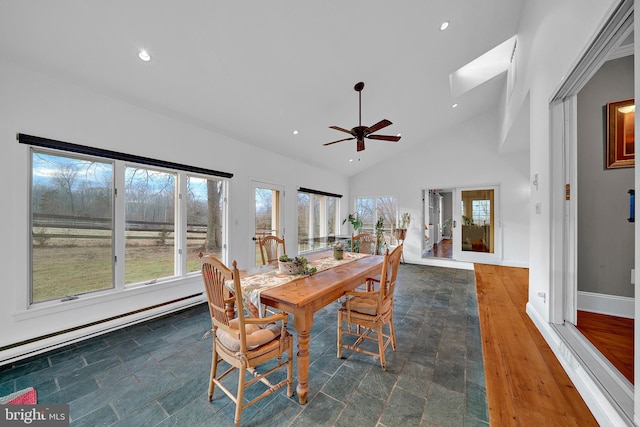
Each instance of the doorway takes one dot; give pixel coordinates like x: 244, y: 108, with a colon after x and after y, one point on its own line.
x: 586, y: 216
x: 462, y: 224
x: 438, y: 223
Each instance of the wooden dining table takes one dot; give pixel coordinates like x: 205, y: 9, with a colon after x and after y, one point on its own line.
x: 305, y: 295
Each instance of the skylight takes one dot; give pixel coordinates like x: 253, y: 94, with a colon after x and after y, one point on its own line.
x: 483, y: 68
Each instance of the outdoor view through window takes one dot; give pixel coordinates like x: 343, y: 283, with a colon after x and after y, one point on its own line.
x: 75, y: 218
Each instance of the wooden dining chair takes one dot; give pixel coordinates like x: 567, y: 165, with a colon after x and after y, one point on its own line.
x: 241, y: 341
x: 269, y: 249
x: 364, y: 243
x: 368, y: 311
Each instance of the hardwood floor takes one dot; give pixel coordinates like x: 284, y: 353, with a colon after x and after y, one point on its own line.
x: 612, y: 336
x: 526, y: 385
x: 444, y: 249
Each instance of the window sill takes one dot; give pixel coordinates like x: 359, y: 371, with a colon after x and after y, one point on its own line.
x: 184, y: 285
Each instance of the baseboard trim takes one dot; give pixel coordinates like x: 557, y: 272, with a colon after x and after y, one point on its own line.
x: 611, y: 305
x: 607, y: 396
x: 514, y: 263
x: 441, y: 262
x: 34, y: 347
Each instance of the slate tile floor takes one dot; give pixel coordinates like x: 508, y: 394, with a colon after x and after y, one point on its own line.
x: 155, y: 373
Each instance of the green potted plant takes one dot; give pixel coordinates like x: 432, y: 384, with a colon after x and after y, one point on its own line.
x: 338, y: 250
x: 297, y: 265
x: 354, y: 221
x: 380, y: 234
x: 401, y: 231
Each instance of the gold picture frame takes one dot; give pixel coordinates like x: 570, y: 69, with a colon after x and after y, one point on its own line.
x: 620, y: 134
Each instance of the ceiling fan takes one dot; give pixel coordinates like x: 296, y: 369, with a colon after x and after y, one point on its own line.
x: 360, y: 132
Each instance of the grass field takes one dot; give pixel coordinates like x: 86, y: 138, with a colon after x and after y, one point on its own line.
x: 72, y: 261
x: 64, y: 266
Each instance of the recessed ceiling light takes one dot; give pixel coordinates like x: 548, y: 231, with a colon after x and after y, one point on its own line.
x: 295, y: 132
x: 444, y: 25
x: 144, y: 55
x: 454, y: 105
x: 351, y: 160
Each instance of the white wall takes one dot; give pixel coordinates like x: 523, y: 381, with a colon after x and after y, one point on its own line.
x: 552, y: 37
x: 39, y: 105
x: 466, y: 155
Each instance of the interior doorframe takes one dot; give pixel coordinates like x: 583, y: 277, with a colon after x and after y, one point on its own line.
x: 605, y: 381
x: 563, y: 293
x: 563, y: 162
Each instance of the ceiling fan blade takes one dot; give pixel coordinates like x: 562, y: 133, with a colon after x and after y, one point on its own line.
x: 340, y: 140
x: 381, y: 124
x: 340, y: 129
x: 385, y: 137
x: 360, y: 146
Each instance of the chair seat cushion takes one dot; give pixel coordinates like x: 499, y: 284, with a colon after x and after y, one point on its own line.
x: 365, y: 305
x: 257, y: 335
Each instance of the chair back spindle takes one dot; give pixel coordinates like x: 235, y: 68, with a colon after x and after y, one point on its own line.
x: 269, y: 249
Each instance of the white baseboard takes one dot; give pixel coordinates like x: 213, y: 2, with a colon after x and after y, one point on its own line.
x: 441, y: 262
x: 606, y: 410
x: 40, y: 346
x: 606, y: 304
x: 514, y: 263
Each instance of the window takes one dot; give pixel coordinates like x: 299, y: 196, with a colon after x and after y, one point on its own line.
x: 204, y: 219
x: 317, y: 220
x: 86, y: 237
x: 366, y: 209
x: 371, y: 210
x: 149, y: 224
x: 481, y: 211
x: 72, y: 226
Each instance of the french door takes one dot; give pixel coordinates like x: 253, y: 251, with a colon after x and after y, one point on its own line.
x: 477, y: 232
x: 268, y: 202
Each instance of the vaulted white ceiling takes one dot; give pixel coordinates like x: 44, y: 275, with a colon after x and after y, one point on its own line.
x: 257, y: 70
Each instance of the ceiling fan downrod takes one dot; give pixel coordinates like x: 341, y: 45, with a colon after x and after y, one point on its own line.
x: 358, y: 88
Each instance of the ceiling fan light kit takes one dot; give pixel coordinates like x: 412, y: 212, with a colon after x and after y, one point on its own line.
x: 359, y: 133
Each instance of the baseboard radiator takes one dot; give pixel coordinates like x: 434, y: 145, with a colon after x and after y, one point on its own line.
x: 21, y: 350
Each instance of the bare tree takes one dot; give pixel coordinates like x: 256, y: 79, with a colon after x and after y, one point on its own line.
x: 264, y: 205
x: 213, y: 240
x: 65, y: 177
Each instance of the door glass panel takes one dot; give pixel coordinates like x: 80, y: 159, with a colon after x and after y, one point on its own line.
x: 267, y: 222
x: 477, y: 221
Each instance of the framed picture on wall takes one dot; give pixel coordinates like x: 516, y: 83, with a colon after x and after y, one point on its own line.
x: 620, y: 134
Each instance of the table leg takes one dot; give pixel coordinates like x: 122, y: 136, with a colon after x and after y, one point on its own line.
x: 231, y: 310
x: 303, y: 366
x: 230, y: 306
x: 303, y: 327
